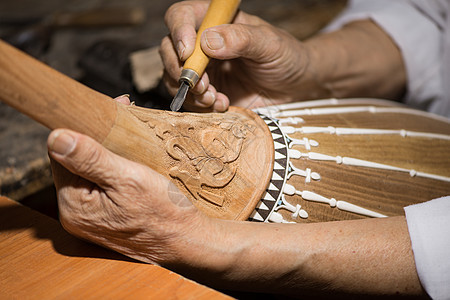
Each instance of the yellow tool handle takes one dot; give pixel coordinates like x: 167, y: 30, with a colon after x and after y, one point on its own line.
x: 219, y: 12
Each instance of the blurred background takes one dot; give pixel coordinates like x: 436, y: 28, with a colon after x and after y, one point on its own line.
x: 110, y: 46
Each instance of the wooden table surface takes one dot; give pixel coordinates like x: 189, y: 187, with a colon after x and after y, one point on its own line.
x: 40, y: 260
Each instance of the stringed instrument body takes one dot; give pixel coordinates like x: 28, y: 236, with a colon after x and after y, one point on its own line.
x: 353, y: 158
x: 301, y: 162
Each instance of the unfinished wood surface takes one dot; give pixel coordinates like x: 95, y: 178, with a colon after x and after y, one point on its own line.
x: 222, y: 162
x: 377, y: 155
x: 39, y: 260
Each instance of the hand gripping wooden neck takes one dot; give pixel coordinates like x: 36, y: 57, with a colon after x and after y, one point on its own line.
x: 210, y: 157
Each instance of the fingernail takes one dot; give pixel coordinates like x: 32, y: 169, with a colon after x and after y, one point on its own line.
x: 124, y: 96
x: 124, y: 99
x: 205, y: 100
x: 211, y: 96
x: 214, y: 40
x: 220, y: 106
x: 62, y: 143
x: 180, y: 49
x: 202, y: 85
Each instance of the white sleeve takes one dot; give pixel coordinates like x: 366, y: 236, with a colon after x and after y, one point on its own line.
x: 418, y: 37
x: 429, y: 229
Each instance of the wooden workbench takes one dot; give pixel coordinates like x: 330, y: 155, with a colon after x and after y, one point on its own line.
x: 39, y: 260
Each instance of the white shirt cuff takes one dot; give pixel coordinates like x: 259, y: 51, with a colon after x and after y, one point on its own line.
x: 429, y: 229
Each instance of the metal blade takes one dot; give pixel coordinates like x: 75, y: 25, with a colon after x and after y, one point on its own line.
x: 179, y: 98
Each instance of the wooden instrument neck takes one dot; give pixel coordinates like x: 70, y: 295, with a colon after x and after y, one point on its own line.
x: 211, y: 157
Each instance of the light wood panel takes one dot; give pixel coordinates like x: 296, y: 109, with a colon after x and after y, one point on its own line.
x: 39, y: 260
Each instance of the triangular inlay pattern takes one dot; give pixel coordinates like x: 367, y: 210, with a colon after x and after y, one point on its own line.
x: 273, y: 192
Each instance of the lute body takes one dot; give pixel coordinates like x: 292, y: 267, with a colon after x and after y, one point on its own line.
x: 353, y: 158
x: 304, y: 162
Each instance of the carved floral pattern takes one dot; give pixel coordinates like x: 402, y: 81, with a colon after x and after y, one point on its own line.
x: 204, y: 155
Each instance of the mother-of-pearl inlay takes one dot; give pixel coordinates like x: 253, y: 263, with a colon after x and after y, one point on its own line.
x: 367, y: 131
x: 290, y: 114
x: 281, y: 111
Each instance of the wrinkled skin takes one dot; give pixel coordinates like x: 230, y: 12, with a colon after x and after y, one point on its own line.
x: 132, y: 209
x: 117, y: 203
x: 257, y: 65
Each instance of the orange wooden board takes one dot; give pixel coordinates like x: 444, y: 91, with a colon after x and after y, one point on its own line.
x: 39, y: 260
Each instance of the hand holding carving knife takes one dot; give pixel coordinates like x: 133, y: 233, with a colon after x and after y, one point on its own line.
x: 219, y: 12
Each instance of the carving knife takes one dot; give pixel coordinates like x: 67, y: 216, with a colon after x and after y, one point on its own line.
x: 219, y: 12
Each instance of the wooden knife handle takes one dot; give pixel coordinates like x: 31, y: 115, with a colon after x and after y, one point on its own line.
x: 219, y: 12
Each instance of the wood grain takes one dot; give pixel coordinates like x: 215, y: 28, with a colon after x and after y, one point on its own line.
x: 39, y: 260
x: 43, y: 94
x: 208, y: 156
x: 223, y: 162
x: 383, y: 191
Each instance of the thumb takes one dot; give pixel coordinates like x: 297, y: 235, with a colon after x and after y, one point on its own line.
x: 84, y: 157
x: 229, y: 41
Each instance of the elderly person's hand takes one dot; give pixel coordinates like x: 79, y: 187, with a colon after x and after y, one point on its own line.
x: 256, y: 64
x: 118, y: 203
x: 254, y: 60
x: 128, y: 207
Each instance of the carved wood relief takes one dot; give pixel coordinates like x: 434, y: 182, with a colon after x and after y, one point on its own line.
x: 210, y: 155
